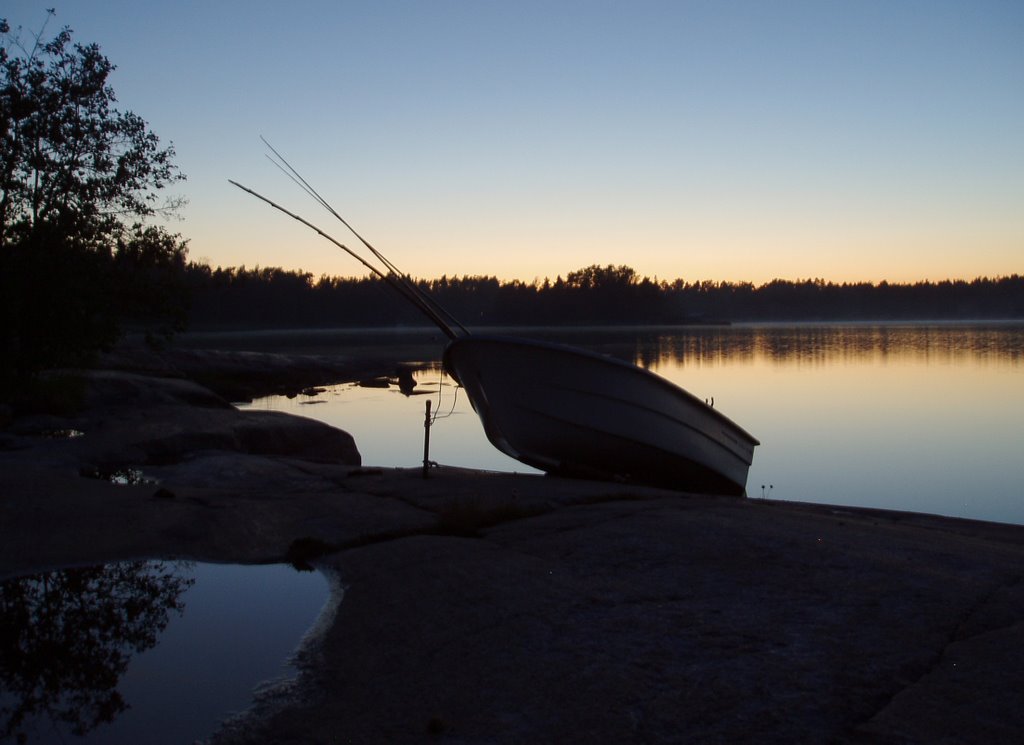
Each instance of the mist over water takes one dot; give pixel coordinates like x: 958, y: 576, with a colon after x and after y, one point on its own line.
x: 919, y: 417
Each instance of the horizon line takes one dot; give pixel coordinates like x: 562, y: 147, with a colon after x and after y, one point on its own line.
x: 537, y: 280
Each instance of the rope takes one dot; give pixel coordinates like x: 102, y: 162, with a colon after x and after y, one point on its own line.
x: 455, y: 400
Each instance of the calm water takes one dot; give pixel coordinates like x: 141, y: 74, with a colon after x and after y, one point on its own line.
x: 147, y: 651
x: 927, y: 418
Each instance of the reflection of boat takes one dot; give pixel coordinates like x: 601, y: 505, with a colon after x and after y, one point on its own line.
x: 571, y: 412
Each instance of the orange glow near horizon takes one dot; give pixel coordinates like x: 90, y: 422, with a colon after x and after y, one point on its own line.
x: 851, y: 142
x: 532, y: 240
x: 432, y: 251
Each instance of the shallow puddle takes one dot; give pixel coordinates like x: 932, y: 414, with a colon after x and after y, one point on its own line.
x: 121, y: 476
x: 147, y: 651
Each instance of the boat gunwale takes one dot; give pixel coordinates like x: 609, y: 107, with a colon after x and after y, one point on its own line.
x: 597, y: 357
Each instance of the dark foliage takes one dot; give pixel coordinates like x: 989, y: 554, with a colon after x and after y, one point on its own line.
x: 268, y: 298
x: 76, y: 176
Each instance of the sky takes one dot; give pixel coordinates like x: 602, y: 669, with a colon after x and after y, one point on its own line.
x: 728, y: 141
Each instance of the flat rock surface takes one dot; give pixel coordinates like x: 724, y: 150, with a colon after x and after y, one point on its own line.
x: 507, y: 608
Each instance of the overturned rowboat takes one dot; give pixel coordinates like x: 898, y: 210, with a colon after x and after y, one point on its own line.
x: 570, y: 412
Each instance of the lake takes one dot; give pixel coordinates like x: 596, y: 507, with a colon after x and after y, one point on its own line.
x: 919, y: 417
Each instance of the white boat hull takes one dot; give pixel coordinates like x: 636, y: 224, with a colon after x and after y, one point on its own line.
x: 571, y: 412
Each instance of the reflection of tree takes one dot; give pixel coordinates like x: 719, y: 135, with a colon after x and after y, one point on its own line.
x: 66, y: 638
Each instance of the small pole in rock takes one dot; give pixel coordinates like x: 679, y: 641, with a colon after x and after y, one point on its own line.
x: 426, y: 442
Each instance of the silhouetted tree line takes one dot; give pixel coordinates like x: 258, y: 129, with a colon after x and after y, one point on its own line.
x: 275, y: 297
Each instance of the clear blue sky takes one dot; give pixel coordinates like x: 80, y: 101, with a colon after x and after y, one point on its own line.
x: 704, y: 140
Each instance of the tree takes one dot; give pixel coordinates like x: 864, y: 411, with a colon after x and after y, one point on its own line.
x: 77, y: 177
x: 149, y: 279
x: 602, y: 277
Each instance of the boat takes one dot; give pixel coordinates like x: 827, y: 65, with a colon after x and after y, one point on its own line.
x: 568, y: 411
x: 571, y: 412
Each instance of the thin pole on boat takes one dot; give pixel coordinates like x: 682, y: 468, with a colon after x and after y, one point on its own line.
x: 402, y: 287
x: 295, y: 176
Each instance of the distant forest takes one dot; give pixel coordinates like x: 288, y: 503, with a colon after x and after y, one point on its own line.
x: 278, y: 298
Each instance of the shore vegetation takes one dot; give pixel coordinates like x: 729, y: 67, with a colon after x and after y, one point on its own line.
x: 240, y: 297
x: 80, y: 181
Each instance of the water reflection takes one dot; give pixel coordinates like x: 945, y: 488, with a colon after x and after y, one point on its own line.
x: 148, y: 652
x: 821, y: 345
x: 66, y: 638
x: 798, y: 344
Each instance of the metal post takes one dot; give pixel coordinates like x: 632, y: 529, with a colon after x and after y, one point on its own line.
x: 426, y: 442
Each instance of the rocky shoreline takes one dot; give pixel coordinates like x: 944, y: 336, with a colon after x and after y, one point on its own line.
x: 482, y: 607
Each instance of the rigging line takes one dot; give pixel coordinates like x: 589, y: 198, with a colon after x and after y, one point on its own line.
x: 440, y: 388
x: 451, y: 411
x: 389, y: 278
x: 308, y: 188
x: 406, y: 289
x: 289, y: 175
x: 455, y: 400
x: 298, y: 178
x: 299, y: 181
x: 316, y: 196
x: 411, y: 288
x: 285, y: 168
